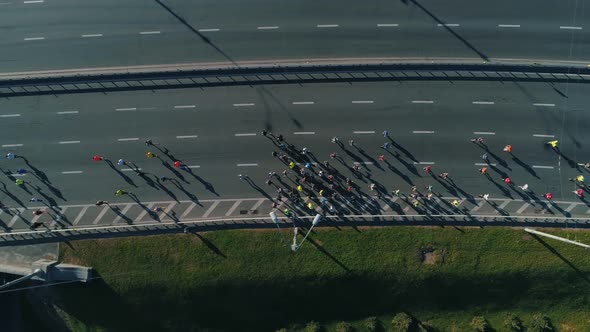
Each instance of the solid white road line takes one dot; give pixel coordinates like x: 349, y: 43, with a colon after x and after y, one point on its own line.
x: 274, y: 27
x: 71, y: 172
x: 68, y: 112
x: 92, y: 35
x: 245, y: 134
x: 448, y: 25
x: 483, y: 103
x: 210, y: 209
x: 233, y: 208
x: 188, y: 210
x: 422, y: 132
x: 327, y: 25
x: 186, y: 136
x: 244, y: 105
x: 541, y: 135
x: 128, y: 139
x: 69, y: 142
x: 121, y: 214
x: 362, y: 101
x: 11, y: 145
x: 80, y: 215
x: 304, y: 133
x: 149, y: 32
x: 387, y: 25
x: 209, y: 30
x: 544, y: 167
x: 483, y: 133
x: 570, y: 28
x: 144, y: 212
x: 544, y: 105
x: 422, y: 102
x: 363, y: 132
x: 303, y: 103
x: 101, y: 214
x: 246, y: 165
x: 9, y: 115
x: 124, y: 109
x: 185, y: 106
x: 484, y: 164
x: 34, y: 38
x: 509, y: 25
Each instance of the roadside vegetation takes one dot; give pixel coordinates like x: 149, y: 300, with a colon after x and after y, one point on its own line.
x: 372, y: 279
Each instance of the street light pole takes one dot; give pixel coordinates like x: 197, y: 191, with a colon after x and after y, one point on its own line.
x: 315, y: 221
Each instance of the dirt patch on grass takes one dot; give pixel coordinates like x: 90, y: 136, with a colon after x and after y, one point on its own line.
x: 526, y: 237
x: 432, y: 256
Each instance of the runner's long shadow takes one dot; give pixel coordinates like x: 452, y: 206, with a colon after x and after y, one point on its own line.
x: 371, y: 159
x: 191, y: 196
x: 325, y: 252
x: 50, y: 201
x: 125, y: 177
x: 502, y: 188
x: 44, y: 179
x: 499, y: 160
x: 117, y: 211
x: 173, y: 170
x: 409, y: 166
x: 149, y: 211
x: 163, y: 187
x: 580, y: 273
x: 209, y: 244
x: 208, y: 186
x: 402, y: 149
x: 257, y: 188
x: 11, y: 195
x: 525, y: 166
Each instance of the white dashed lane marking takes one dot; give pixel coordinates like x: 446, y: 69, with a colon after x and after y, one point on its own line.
x: 422, y: 102
x: 483, y: 133
x: 246, y: 165
x: 422, y: 132
x: 543, y: 105
x: 303, y: 103
x: 542, y: 135
x: 274, y: 27
x: 68, y: 112
x: 570, y: 28
x: 383, y: 25
x: 448, y: 25
x: 71, y: 172
x: 128, y: 139
x: 34, y: 38
x: 9, y: 115
x: 509, y: 25
x: 186, y: 136
x: 209, y: 30
x: 245, y: 134
x: 184, y: 106
x: 327, y: 25
x: 363, y: 132
x: 92, y: 35
x: 69, y: 142
x: 362, y: 101
x: 544, y: 167
x: 483, y: 102
x: 244, y: 105
x: 11, y: 145
x: 149, y: 32
x: 125, y: 109
x: 304, y: 133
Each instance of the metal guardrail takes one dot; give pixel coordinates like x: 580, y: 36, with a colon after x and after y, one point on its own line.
x: 154, y: 228
x: 289, y: 75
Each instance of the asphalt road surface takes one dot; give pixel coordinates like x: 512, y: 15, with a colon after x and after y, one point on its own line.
x: 59, y: 34
x: 217, y: 132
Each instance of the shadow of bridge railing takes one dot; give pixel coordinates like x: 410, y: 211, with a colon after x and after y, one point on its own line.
x: 289, y: 75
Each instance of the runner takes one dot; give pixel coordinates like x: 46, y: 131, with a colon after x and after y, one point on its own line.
x: 524, y: 187
x: 299, y: 188
x: 478, y: 140
x: 484, y: 157
x: 382, y: 157
x: 485, y: 196
x: 385, y: 133
x: 121, y: 162
x: 396, y: 192
x: 427, y: 169
x: 11, y: 156
x: 455, y: 203
x: 291, y: 165
x: 21, y: 171
x: 553, y: 143
x: 385, y: 145
x: 120, y: 193
x: 335, y: 139
x: 333, y: 155
x: 416, y: 203
x: 579, y: 193
x: 95, y: 158
x: 507, y: 180
x: 150, y: 154
x: 177, y: 164
x: 549, y: 196
x: 351, y: 142
x: 101, y: 203
x: 19, y: 182
x: 264, y: 132
x: 429, y: 188
x: 444, y: 175
x: 483, y: 170
x: 508, y: 148
x: 304, y: 151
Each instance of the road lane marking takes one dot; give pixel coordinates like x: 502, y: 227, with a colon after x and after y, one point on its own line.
x: 424, y: 163
x: 92, y: 35
x: 422, y: 132
x: 71, y: 172
x: 11, y: 145
x: 503, y: 205
x: 544, y: 105
x: 303, y: 103
x: 5, y: 3
x: 121, y: 214
x: 16, y: 216
x: 565, y: 27
x: 362, y: 101
x: 165, y: 211
x: 33, y: 1
x: 448, y: 25
x: 186, y: 136
x: 124, y: 109
x: 484, y: 164
x: 522, y: 208
x: 246, y: 165
x: 479, y: 206
x: 68, y: 112
x: 509, y: 25
x: 210, y: 209
x: 258, y: 203
x: 363, y: 132
x: 150, y: 32
x: 185, y: 106
x: 233, y: 208
x: 541, y: 135
x: 130, y: 169
x: 387, y: 207
x: 34, y: 38
x: 367, y: 162
x: 9, y: 115
x: 194, y: 166
x: 209, y: 30
x: 327, y: 25
x: 483, y: 133
x: 422, y: 101
x: 144, y: 212
x: 483, y: 103
x: 244, y: 105
x: 544, y: 167
x: 17, y: 175
x: 100, y: 215
x: 128, y: 139
x: 69, y: 142
x: 304, y: 133
x: 80, y: 215
x: 274, y: 27
x: 571, y: 207
x: 188, y: 210
x: 387, y: 25
x: 245, y: 134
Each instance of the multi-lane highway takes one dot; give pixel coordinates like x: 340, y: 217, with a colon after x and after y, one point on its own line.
x: 61, y: 34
